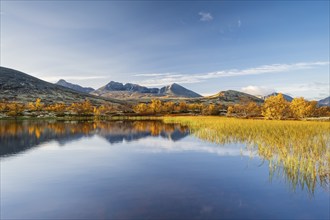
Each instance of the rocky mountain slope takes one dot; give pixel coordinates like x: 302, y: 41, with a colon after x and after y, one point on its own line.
x: 324, y: 102
x: 229, y: 97
x: 21, y: 87
x: 74, y: 87
x: 134, y: 91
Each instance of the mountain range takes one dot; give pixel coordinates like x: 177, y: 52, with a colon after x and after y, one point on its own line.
x: 19, y: 86
x: 75, y: 87
x: 133, y: 91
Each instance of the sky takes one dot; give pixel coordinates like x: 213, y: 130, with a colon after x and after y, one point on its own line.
x: 256, y: 47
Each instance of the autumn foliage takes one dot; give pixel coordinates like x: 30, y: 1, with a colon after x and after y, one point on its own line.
x: 157, y: 107
x: 274, y: 107
x: 36, y: 108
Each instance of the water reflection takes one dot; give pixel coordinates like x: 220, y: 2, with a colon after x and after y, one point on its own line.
x: 18, y: 136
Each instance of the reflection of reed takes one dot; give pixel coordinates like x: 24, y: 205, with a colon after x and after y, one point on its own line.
x: 298, y: 149
x: 16, y: 136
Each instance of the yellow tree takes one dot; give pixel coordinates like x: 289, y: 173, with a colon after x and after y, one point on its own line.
x: 168, y: 107
x: 322, y: 111
x: 230, y: 110
x: 15, y: 109
x: 141, y: 108
x: 87, y: 108
x: 84, y: 108
x: 30, y: 106
x: 38, y: 105
x: 276, y: 107
x: 35, y: 106
x: 155, y: 106
x: 210, y: 109
x: 57, y: 108
x: 195, y: 107
x: 183, y: 107
x: 301, y: 108
x: 100, y: 110
x: 252, y: 109
x: 237, y: 110
x: 3, y: 106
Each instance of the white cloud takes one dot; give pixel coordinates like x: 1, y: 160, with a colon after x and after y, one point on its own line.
x: 152, y: 145
x: 239, y: 23
x: 56, y: 78
x: 205, y: 16
x: 257, y: 90
x: 168, y: 78
x: 319, y: 89
x: 153, y: 74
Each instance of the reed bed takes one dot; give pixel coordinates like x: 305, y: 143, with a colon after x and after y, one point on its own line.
x: 299, y: 150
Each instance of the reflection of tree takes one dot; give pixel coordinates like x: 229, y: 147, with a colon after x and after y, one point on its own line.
x: 17, y: 136
x: 299, y: 151
x: 119, y: 131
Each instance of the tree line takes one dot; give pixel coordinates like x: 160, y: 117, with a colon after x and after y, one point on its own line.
x: 157, y: 107
x: 84, y: 108
x: 274, y: 107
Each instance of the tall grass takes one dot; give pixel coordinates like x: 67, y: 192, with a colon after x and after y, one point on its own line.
x: 300, y: 150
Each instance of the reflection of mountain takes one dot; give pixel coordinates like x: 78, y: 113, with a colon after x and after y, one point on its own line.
x: 16, y: 137
x: 19, y: 136
x: 130, y: 131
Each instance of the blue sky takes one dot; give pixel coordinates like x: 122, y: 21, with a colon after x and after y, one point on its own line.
x: 207, y: 46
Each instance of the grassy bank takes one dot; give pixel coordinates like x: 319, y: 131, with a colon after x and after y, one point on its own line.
x: 299, y: 148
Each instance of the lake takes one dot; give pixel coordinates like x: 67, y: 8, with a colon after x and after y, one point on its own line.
x: 143, y: 170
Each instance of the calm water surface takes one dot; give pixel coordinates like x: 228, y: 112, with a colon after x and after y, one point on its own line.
x: 135, y: 170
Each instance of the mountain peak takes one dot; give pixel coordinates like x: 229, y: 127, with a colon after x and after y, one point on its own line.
x: 177, y: 90
x: 286, y: 97
x: 61, y: 81
x: 74, y: 87
x: 114, y: 86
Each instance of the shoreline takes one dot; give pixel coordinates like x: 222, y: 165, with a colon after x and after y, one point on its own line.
x: 142, y: 118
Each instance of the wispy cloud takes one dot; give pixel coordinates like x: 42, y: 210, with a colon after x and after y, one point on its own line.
x: 320, y: 89
x: 258, y: 90
x: 56, y: 78
x: 152, y: 74
x: 156, y: 146
x: 168, y: 78
x: 239, y: 23
x: 205, y: 16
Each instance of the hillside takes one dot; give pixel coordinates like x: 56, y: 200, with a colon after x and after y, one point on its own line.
x: 229, y: 97
x: 176, y: 90
x: 135, y: 91
x: 324, y: 102
x: 21, y: 87
x: 74, y: 87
